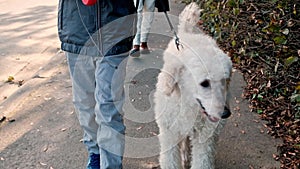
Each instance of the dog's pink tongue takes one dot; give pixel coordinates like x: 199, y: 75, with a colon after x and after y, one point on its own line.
x: 213, y: 119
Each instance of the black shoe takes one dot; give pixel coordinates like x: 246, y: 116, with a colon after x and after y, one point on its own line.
x: 145, y: 50
x: 135, y: 52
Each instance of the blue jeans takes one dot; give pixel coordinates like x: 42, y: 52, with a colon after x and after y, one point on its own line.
x: 145, y: 13
x: 98, y: 95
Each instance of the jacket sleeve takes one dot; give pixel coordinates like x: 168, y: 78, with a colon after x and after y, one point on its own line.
x: 75, y: 22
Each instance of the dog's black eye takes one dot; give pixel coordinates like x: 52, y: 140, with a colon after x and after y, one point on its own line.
x: 205, y: 83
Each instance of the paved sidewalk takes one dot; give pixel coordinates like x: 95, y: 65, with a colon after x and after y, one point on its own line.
x: 41, y: 129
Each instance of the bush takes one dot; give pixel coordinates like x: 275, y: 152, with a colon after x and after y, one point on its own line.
x: 263, y: 40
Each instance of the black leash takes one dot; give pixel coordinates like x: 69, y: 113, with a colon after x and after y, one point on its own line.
x: 177, y: 41
x: 164, y: 9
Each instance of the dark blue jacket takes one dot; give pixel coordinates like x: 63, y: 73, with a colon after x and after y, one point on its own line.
x: 162, y: 5
x: 101, y: 29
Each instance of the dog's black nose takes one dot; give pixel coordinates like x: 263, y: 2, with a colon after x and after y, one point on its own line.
x: 226, y: 113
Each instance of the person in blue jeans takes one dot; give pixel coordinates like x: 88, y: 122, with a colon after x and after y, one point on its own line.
x: 145, y: 12
x: 145, y: 15
x: 96, y: 40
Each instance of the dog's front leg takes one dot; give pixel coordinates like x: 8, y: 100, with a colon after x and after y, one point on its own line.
x: 170, y: 159
x: 170, y: 153
x: 203, y: 154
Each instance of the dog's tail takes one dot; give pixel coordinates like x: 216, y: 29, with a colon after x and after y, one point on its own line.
x: 189, y: 17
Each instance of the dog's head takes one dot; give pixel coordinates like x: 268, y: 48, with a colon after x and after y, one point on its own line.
x: 200, y: 76
x: 212, y: 98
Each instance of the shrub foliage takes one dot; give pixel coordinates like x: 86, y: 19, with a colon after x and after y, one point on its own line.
x: 263, y: 39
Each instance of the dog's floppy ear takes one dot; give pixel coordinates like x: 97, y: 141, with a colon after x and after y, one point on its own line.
x: 168, y: 80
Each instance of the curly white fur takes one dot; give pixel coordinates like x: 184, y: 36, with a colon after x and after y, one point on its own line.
x: 186, y: 134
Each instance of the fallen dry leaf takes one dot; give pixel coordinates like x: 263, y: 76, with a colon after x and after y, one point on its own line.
x: 153, y: 133
x: 139, y: 128
x: 45, y: 148
x: 2, y: 119
x: 10, y: 79
x: 43, y: 164
x: 63, y: 129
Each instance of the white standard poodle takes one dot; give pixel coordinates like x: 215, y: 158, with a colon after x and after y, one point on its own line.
x: 191, y: 97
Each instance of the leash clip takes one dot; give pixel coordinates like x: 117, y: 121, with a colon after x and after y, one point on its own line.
x: 178, y: 44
